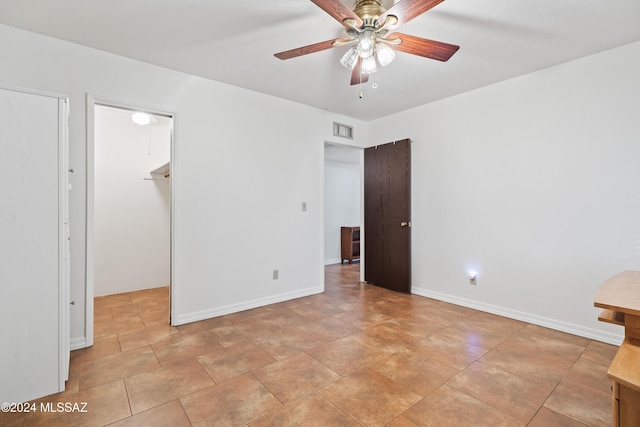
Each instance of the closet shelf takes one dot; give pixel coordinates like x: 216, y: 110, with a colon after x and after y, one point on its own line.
x: 163, y: 170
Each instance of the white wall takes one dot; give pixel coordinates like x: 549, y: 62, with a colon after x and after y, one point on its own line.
x: 132, y: 212
x: 341, y: 199
x: 534, y: 183
x: 243, y: 163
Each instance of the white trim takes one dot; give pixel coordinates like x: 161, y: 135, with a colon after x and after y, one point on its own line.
x: 64, y: 287
x: 234, y: 308
x: 546, y: 322
x: 78, y: 343
x: 35, y: 92
x: 89, y: 223
x: 91, y: 103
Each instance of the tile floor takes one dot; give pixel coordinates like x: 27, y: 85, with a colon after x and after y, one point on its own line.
x: 357, y: 355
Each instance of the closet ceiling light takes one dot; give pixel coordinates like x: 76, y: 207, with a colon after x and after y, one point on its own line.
x: 141, y: 119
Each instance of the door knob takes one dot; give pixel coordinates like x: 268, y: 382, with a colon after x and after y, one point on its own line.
x: 405, y: 224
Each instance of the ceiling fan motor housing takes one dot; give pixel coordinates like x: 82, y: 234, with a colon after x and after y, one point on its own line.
x: 369, y: 11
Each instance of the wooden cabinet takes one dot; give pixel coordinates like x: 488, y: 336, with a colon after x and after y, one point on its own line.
x: 620, y: 298
x: 350, y: 243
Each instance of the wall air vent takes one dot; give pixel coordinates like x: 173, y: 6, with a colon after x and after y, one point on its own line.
x: 343, y: 131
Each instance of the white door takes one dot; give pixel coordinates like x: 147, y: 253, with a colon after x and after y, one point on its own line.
x: 33, y: 245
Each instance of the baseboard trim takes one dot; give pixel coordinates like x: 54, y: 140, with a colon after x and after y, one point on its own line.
x: 247, y: 305
x: 78, y: 343
x: 547, y: 322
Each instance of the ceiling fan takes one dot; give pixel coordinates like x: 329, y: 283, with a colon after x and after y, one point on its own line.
x: 367, y: 27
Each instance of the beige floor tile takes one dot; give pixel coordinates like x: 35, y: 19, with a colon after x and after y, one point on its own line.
x: 346, y: 355
x: 127, y: 323
x: 386, y: 337
x: 117, y: 366
x: 229, y: 362
x: 282, y: 317
x: 154, y: 294
x: 585, y: 404
x: 362, y: 317
x: 127, y: 310
x: 402, y: 421
x: 456, y: 354
x: 164, y: 384
x: 504, y: 391
x: 179, y: 347
x: 556, y: 335
x: 145, y: 336
x: 556, y: 345
x: 600, y: 352
x: 547, y: 418
x: 454, y: 313
x: 492, y: 322
x: 109, y: 301
x: 447, y: 407
x: 168, y: 415
x: 316, y: 310
x: 232, y: 403
x: 102, y: 346
x: 203, y: 325
x: 155, y: 316
x: 421, y: 376
x: 295, y: 377
x: 286, y: 342
x: 475, y: 335
x: 329, y: 329
x: 591, y: 374
x: 418, y: 327
x: 528, y: 365
x: 235, y: 333
x: 312, y: 411
x: 105, y: 404
x: 370, y: 397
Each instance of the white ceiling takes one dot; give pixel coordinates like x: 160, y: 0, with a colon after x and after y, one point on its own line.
x: 233, y: 41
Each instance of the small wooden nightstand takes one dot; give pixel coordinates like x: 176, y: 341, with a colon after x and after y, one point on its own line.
x: 350, y: 243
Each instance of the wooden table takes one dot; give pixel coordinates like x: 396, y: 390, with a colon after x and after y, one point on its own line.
x: 619, y: 296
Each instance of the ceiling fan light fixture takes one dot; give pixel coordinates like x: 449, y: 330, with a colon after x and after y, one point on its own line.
x: 384, y: 54
x: 350, y: 59
x: 365, y: 44
x: 369, y: 65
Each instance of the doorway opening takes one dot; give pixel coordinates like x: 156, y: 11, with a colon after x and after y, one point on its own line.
x: 129, y: 206
x: 343, y: 202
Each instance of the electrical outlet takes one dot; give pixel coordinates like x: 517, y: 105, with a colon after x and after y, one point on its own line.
x: 275, y: 274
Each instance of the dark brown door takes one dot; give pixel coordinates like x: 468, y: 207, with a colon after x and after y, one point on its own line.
x: 387, y: 210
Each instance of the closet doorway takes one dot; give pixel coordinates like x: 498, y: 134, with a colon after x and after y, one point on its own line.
x: 129, y: 204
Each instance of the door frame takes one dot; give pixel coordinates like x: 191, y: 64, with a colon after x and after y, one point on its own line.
x: 92, y: 101
x: 362, y: 230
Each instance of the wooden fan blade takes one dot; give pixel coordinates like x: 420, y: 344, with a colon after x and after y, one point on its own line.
x: 406, y: 10
x: 338, y: 10
x: 357, y: 76
x: 424, y: 47
x: 305, y: 50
